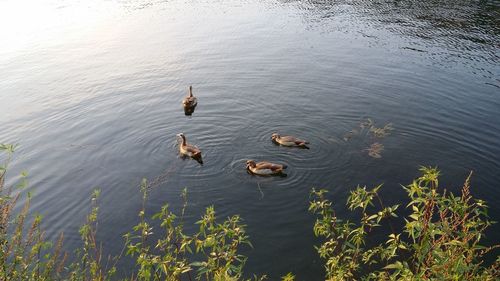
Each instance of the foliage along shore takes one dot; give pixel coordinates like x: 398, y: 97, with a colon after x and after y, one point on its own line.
x: 439, y: 240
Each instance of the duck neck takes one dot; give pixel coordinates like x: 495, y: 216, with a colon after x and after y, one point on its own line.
x: 183, y: 140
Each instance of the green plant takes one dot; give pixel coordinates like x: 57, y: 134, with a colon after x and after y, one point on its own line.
x: 217, y: 244
x: 440, y: 239
x: 89, y: 262
x: 288, y: 277
x: 25, y: 254
x: 169, y: 260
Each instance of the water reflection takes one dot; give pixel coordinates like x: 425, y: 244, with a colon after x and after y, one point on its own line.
x: 279, y: 175
x: 197, y: 158
x: 468, y: 30
x: 188, y: 111
x: 96, y: 103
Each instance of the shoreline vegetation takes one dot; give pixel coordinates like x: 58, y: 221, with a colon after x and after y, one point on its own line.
x: 439, y: 238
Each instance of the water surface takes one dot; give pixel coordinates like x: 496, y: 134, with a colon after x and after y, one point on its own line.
x: 92, y: 92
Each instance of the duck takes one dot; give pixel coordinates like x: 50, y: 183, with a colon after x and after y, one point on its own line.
x: 190, y: 101
x: 187, y: 149
x: 265, y: 168
x: 289, y: 141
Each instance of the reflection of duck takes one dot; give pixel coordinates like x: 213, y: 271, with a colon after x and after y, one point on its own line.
x: 190, y: 102
x: 188, y: 111
x: 189, y: 150
x: 265, y: 168
x: 289, y: 141
x: 350, y: 134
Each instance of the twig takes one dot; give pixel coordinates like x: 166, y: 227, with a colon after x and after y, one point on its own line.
x: 261, y: 193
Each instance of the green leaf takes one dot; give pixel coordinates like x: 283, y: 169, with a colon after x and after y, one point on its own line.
x: 197, y: 263
x: 414, y: 216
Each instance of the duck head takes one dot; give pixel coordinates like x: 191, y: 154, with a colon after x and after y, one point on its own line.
x: 250, y: 163
x: 182, y: 136
x: 275, y: 136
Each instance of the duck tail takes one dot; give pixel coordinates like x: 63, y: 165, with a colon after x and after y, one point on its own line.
x: 304, y: 144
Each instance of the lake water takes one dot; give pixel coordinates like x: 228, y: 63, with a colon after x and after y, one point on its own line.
x: 92, y: 90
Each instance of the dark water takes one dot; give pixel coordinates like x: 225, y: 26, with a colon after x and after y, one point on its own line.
x: 92, y: 92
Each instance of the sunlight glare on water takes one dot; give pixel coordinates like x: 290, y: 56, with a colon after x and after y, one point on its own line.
x: 92, y: 90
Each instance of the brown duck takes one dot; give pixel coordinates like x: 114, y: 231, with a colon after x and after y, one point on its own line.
x: 190, y: 101
x: 265, y: 168
x: 187, y: 149
x: 289, y: 141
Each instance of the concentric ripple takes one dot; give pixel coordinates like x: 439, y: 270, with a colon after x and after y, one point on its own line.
x: 94, y: 104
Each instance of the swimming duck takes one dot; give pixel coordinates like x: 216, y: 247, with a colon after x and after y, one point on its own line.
x: 188, y: 149
x: 190, y: 101
x: 265, y: 168
x: 289, y: 141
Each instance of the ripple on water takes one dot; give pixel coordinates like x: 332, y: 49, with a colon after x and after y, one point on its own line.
x: 293, y: 67
x: 326, y: 153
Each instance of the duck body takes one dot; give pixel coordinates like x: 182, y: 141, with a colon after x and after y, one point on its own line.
x: 189, y: 150
x: 265, y: 168
x: 190, y: 101
x: 289, y: 141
